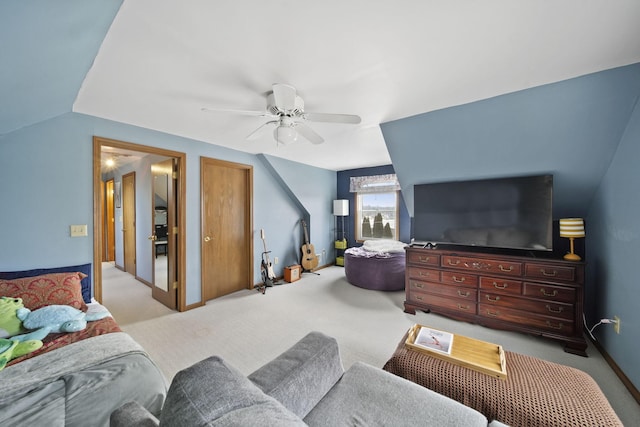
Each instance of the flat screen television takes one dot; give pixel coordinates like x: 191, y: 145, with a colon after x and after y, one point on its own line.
x: 507, y: 213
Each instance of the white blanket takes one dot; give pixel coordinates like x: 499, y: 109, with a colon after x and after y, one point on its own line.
x: 384, y: 246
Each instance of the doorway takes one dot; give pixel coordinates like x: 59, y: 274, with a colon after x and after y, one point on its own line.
x: 226, y: 240
x: 179, y: 186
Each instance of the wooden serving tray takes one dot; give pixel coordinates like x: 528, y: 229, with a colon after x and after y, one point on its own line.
x: 474, y: 354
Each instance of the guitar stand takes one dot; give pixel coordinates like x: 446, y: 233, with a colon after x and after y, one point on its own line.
x: 310, y: 271
x: 267, y: 282
x: 262, y: 288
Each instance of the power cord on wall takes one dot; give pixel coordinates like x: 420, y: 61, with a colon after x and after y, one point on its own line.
x: 602, y: 321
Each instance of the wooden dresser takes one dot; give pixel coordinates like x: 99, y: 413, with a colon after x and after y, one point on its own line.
x: 539, y: 296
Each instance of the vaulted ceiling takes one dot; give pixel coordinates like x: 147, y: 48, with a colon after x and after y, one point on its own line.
x: 156, y: 64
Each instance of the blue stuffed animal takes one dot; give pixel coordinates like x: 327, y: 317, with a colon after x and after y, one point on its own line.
x: 15, y: 318
x: 56, y: 318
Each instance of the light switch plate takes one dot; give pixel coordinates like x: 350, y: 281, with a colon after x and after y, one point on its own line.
x: 78, y: 230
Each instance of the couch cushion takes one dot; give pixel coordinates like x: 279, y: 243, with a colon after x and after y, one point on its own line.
x: 368, y: 396
x: 213, y: 393
x: 303, y: 374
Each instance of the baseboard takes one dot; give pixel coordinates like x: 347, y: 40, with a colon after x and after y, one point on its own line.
x: 143, y: 281
x: 616, y: 369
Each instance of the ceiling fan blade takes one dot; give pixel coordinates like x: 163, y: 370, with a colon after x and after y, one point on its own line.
x: 284, y: 96
x: 256, y: 133
x: 243, y: 112
x: 332, y: 118
x: 308, y: 133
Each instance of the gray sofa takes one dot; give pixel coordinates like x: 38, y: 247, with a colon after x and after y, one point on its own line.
x: 305, y: 385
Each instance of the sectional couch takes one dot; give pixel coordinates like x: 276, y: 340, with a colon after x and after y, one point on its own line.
x: 305, y: 385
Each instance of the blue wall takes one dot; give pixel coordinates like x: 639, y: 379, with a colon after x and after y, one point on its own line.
x: 47, y: 49
x: 344, y: 193
x: 613, y: 239
x: 585, y: 131
x: 46, y: 185
x: 570, y: 129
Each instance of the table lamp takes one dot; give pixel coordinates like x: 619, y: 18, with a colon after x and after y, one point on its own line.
x: 572, y: 228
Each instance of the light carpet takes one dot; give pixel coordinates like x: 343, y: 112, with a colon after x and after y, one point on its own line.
x: 248, y: 328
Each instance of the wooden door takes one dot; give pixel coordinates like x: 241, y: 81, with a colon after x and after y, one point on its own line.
x: 227, y: 241
x: 129, y: 221
x: 165, y: 277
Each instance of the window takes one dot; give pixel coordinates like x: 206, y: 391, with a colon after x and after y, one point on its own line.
x: 377, y: 216
x: 376, y: 207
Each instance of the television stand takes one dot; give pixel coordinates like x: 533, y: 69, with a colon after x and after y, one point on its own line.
x: 539, y: 296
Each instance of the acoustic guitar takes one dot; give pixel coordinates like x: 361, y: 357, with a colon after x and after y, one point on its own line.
x: 309, y: 258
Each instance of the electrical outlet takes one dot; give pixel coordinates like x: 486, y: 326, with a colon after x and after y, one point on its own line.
x: 276, y: 260
x: 616, y: 326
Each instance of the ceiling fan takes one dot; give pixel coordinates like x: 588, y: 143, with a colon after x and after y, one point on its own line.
x: 286, y: 109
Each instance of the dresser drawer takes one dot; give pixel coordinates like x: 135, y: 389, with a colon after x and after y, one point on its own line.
x: 550, y: 272
x: 555, y: 309
x: 469, y: 294
x: 510, y: 268
x: 456, y: 304
x: 533, y: 320
x: 424, y: 274
x: 549, y: 292
x: 416, y: 285
x: 424, y: 258
x: 460, y: 279
x: 496, y: 284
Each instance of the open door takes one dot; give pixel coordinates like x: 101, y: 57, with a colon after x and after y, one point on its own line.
x: 163, y: 236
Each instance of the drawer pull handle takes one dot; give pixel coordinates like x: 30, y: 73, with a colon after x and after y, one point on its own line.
x: 557, y: 326
x: 463, y: 307
x: 554, y: 273
x: 496, y: 299
x: 453, y: 263
x: 463, y: 294
x: 458, y: 280
x: 554, y: 310
x: 418, y: 285
x: 547, y: 294
x: 493, y: 313
x: 505, y: 269
x: 424, y: 259
x: 500, y: 285
x: 419, y: 298
x: 423, y: 274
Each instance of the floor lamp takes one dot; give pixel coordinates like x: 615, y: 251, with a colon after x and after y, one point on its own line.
x: 341, y: 209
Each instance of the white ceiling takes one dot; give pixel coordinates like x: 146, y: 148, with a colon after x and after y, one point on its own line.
x: 162, y: 61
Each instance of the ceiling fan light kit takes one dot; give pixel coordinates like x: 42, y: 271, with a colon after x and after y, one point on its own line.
x: 285, y: 134
x: 286, y: 109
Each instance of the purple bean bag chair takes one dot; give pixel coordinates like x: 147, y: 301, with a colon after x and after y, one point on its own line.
x: 376, y: 270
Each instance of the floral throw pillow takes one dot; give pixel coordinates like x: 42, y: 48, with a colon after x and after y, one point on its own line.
x: 48, y: 289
